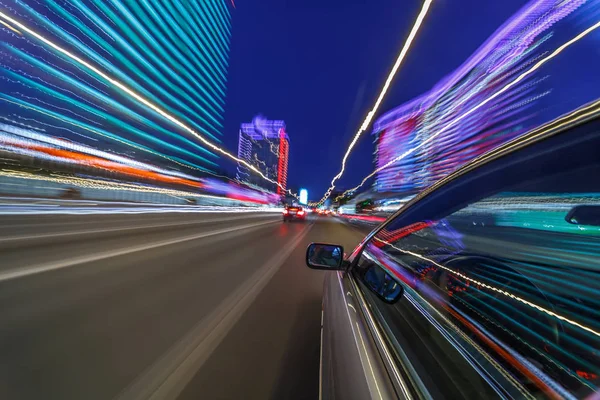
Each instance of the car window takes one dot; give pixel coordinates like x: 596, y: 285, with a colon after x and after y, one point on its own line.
x: 503, y: 286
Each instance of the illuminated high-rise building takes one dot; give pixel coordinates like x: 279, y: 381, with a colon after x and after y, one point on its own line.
x: 265, y: 145
x: 431, y: 136
x: 174, y: 55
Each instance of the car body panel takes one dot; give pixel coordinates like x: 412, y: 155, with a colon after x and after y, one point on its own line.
x: 430, y: 316
x: 351, y: 367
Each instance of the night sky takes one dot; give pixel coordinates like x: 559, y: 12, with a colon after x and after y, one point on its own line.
x: 319, y: 65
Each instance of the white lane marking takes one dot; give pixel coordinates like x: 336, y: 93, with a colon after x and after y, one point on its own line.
x: 32, y: 270
x: 169, y: 375
x: 321, y: 359
x: 368, y: 357
x: 360, y: 354
x: 124, y: 229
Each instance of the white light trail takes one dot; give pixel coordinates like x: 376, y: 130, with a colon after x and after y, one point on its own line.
x: 10, y: 27
x: 371, y: 114
x: 495, y: 289
x: 477, y: 107
x: 100, y: 184
x: 135, y: 96
x: 28, y: 134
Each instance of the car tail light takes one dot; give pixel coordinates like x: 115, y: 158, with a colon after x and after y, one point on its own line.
x: 285, y: 211
x: 300, y: 212
x: 587, y: 375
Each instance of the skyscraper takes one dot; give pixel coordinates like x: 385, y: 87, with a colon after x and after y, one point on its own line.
x: 474, y: 109
x: 265, y: 145
x: 173, y: 55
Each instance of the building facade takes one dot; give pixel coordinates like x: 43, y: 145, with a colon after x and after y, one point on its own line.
x: 173, y: 56
x: 472, y: 110
x: 265, y: 145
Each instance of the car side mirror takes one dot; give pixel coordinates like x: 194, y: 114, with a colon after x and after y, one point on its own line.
x: 382, y: 284
x: 584, y: 215
x: 325, y: 256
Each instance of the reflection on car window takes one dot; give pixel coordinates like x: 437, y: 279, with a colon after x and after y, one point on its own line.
x: 509, y: 281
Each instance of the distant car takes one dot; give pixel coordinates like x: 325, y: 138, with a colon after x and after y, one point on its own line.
x: 485, y: 285
x: 71, y: 194
x: 294, y: 213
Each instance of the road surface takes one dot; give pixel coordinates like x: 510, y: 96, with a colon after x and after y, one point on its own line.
x: 161, y: 305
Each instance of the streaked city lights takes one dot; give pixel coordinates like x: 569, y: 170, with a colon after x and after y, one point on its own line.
x: 386, y: 85
x: 265, y: 144
x: 113, y: 207
x: 132, y: 94
x: 213, y: 189
x: 303, y: 196
x: 495, y: 289
x: 35, y: 136
x: 454, y: 121
x: 153, y: 246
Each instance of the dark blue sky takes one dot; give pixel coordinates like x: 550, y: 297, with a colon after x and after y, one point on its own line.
x: 319, y: 65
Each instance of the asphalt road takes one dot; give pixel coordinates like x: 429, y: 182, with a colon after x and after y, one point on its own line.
x: 161, y: 305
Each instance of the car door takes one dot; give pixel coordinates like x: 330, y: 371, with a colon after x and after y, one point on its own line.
x: 351, y: 367
x: 500, y: 266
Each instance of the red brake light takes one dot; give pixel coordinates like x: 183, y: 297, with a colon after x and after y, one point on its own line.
x: 301, y: 212
x: 285, y: 211
x: 587, y: 375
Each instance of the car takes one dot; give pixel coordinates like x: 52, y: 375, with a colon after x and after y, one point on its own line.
x: 294, y: 213
x: 484, y: 285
